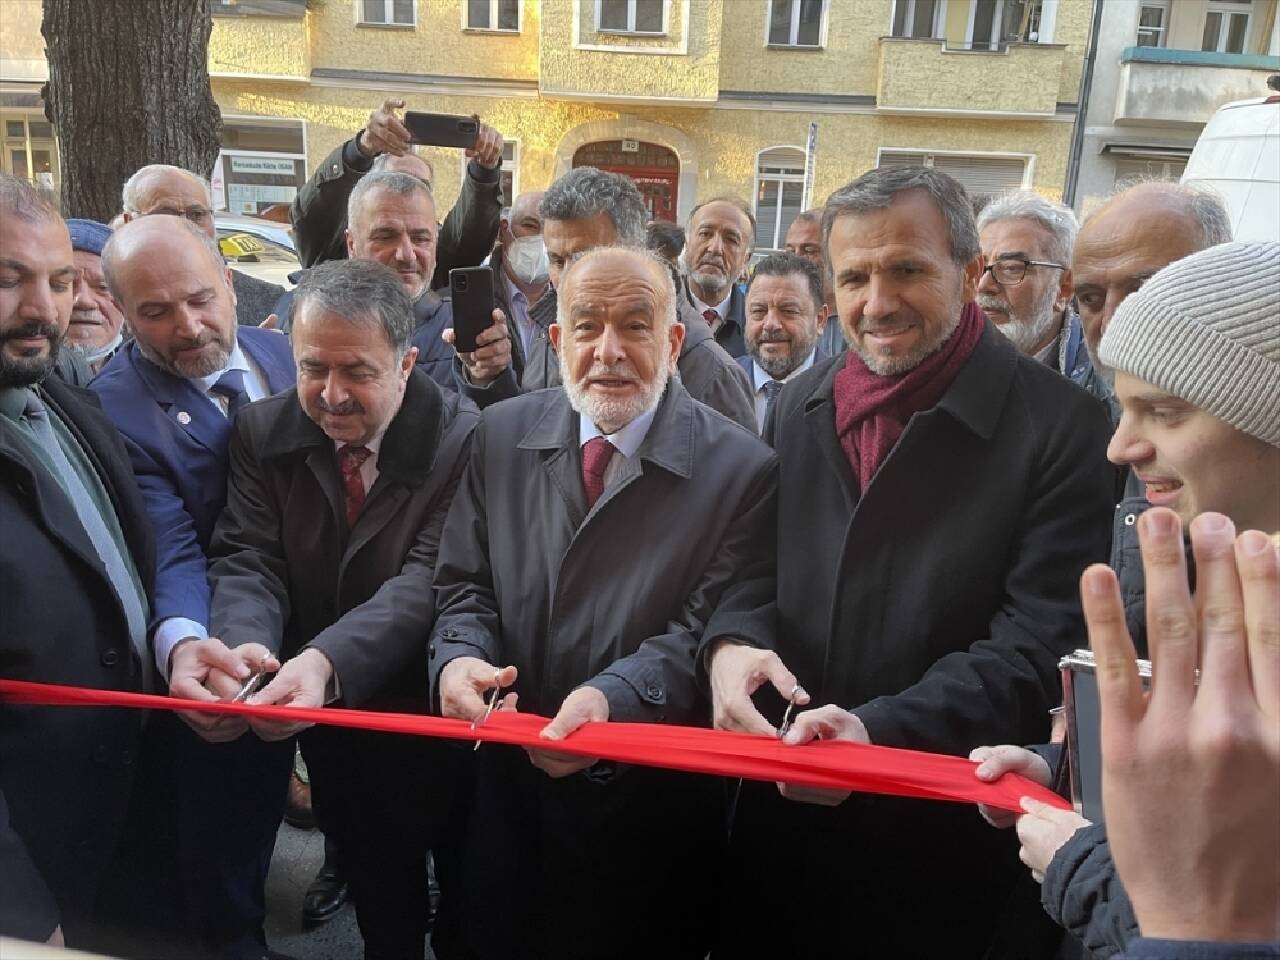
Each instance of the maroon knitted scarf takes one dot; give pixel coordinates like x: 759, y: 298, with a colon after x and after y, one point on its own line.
x: 873, y: 410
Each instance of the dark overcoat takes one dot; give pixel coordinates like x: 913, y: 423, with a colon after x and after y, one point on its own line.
x: 678, y: 551
x: 65, y: 773
x: 936, y: 605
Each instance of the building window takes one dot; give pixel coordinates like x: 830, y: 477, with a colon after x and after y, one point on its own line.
x: 1153, y: 23
x: 631, y: 16
x: 509, y: 176
x: 795, y: 23
x: 386, y: 13
x: 493, y: 15
x: 779, y: 194
x: 981, y: 175
x: 30, y: 151
x: 920, y: 19
x: 1226, y: 26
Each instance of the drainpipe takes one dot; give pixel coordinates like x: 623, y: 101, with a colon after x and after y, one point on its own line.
x: 1082, y: 109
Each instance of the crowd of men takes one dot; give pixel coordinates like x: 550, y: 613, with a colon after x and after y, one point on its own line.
x: 867, y: 483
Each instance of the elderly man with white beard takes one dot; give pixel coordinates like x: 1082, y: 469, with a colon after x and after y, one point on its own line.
x: 603, y: 536
x: 1026, y: 286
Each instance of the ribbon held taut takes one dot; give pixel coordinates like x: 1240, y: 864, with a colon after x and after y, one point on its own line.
x: 830, y: 764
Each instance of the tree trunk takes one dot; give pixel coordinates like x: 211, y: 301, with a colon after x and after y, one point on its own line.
x: 128, y: 86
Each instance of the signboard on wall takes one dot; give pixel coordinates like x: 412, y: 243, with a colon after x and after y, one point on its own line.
x: 271, y: 166
x: 247, y: 198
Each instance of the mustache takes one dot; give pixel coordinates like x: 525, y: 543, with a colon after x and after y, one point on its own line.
x: 778, y: 337
x: 622, y: 370
x: 32, y: 330
x: 988, y: 301
x: 883, y: 323
x: 206, y: 337
x: 344, y: 409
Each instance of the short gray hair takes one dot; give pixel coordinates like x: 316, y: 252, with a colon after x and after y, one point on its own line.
x: 1059, y: 221
x: 123, y: 237
x: 875, y: 190
x: 364, y: 293
x: 584, y: 192
x: 670, y: 316
x: 23, y: 201
x: 129, y: 199
x: 1200, y: 203
x: 391, y: 180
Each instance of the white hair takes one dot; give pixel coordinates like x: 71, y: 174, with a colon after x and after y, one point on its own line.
x: 133, y: 186
x: 1058, y: 220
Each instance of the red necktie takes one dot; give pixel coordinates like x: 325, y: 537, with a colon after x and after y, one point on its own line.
x: 351, y: 459
x: 710, y: 316
x: 595, y: 458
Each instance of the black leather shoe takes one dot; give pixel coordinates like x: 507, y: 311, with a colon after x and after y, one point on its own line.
x: 326, y: 896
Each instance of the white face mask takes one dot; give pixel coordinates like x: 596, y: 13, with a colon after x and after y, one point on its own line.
x: 527, y: 257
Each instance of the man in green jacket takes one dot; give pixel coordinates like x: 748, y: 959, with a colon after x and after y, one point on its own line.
x: 319, y: 212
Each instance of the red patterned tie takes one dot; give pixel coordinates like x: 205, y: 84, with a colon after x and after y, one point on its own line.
x: 595, y: 458
x: 710, y: 316
x: 350, y: 460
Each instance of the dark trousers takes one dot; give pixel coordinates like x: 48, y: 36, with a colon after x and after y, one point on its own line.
x: 190, y: 876
x: 590, y: 866
x: 382, y: 799
x: 874, y: 877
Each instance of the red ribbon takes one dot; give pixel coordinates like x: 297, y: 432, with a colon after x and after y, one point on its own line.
x: 831, y: 764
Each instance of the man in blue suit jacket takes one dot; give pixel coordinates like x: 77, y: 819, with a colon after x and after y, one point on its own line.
x: 173, y: 392
x: 785, y: 316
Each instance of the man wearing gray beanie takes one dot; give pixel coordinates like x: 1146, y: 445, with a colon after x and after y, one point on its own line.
x: 1196, y: 356
x: 97, y: 325
x: 1196, y: 353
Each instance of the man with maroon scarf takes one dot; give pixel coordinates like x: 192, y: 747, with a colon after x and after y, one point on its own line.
x: 939, y: 495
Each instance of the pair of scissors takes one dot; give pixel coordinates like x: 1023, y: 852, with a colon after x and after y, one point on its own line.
x: 488, y: 709
x: 252, y: 683
x: 786, y: 717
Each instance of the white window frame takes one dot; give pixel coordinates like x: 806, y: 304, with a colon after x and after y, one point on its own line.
x: 1162, y: 32
x: 631, y: 30
x: 795, y: 26
x: 997, y: 20
x: 781, y: 178
x: 388, y: 10
x: 1028, y: 159
x: 1229, y: 10
x: 513, y: 167
x: 936, y: 31
x: 493, y: 18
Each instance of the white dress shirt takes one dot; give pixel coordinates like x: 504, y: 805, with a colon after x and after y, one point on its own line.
x: 626, y: 441
x: 519, y: 320
x: 759, y: 377
x: 721, y: 308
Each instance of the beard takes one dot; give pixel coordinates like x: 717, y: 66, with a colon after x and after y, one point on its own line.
x: 33, y: 365
x: 892, y: 366
x: 713, y: 282
x: 1026, y: 332
x: 612, y: 414
x: 779, y: 368
x: 210, y: 361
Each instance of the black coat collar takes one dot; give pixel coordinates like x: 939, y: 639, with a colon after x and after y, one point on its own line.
x: 408, y: 448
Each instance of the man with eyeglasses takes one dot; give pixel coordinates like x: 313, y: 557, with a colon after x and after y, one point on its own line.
x: 1027, y: 285
x: 165, y: 189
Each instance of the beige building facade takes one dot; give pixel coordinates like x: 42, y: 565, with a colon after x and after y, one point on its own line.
x: 692, y: 98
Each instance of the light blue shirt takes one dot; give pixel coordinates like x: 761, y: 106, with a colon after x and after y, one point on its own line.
x: 520, y: 313
x: 173, y: 629
x: 759, y: 377
x: 626, y: 441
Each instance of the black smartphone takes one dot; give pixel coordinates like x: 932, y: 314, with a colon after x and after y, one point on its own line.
x: 441, y: 129
x: 472, y: 289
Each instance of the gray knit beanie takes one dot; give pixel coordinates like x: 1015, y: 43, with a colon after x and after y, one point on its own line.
x: 1207, y: 329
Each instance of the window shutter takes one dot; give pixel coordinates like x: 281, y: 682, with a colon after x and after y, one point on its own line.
x: 984, y: 176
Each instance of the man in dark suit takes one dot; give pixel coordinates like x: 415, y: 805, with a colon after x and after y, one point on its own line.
x: 588, y: 208
x: 785, y: 319
x: 602, y: 536
x: 77, y: 563
x: 173, y: 392
x: 939, y: 495
x: 323, y: 559
x: 718, y: 242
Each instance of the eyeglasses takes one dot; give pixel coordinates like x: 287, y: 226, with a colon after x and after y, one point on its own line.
x: 194, y: 214
x: 1011, y: 272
